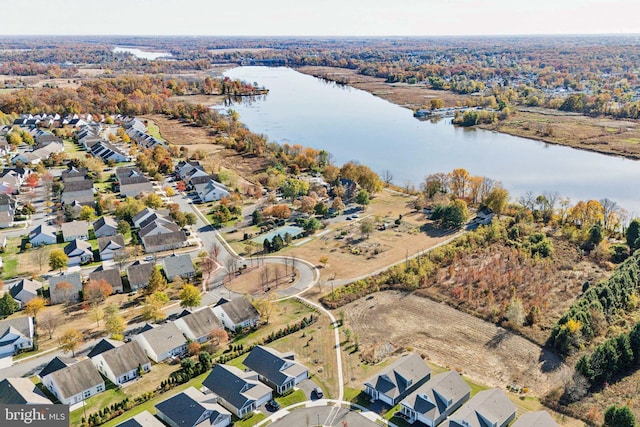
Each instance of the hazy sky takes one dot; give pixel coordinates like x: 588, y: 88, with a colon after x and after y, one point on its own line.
x: 321, y: 17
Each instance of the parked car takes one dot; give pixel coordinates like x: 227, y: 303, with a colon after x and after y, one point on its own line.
x: 273, y: 405
x: 148, y: 258
x: 318, y: 392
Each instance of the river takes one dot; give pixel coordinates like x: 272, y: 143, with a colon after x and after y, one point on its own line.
x: 355, y: 125
x: 142, y: 54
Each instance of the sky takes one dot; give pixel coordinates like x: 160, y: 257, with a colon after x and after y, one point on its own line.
x: 318, y: 18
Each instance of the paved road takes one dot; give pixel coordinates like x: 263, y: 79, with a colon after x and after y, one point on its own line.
x: 324, y: 416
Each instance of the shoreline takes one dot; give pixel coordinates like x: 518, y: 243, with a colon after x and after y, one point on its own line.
x: 600, y: 135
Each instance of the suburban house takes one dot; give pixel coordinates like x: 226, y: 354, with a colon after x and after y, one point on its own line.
x: 8, y: 205
x: 131, y: 182
x: 436, y: 399
x: 398, y: 379
x: 21, y: 391
x: 110, y: 275
x: 108, y: 152
x: 122, y: 364
x: 197, y: 326
x: 105, y: 226
x: 79, y: 252
x: 142, y: 216
x: 162, y: 235
x: 24, y: 290
x: 535, y: 419
x: 74, y: 174
x: 73, y: 383
x: 162, y: 342
x: 105, y: 344
x: 240, y: 392
x: 139, y: 274
x: 187, y: 168
x: 108, y: 246
x: 210, y: 191
x: 487, y: 408
x: 278, y: 370
x: 75, y: 230
x: 237, y: 313
x: 58, y: 296
x: 10, y: 181
x: 178, y: 266
x: 193, y: 408
x: 143, y: 419
x: 43, y: 235
x: 16, y: 334
x: 78, y: 192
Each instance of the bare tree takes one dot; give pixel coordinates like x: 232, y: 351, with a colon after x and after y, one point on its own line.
x: 230, y: 264
x: 387, y: 176
x: 278, y: 273
x: 208, y: 266
x: 66, y: 293
x: 40, y: 256
x: 48, y: 322
x: 215, y: 250
x: 265, y: 276
x: 610, y: 212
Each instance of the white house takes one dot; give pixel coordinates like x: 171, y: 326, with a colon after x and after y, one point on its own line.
x: 15, y: 334
x: 197, y: 326
x: 210, y: 191
x: 75, y: 230
x: 43, y: 235
x: 237, y: 313
x: 162, y: 342
x: 75, y: 382
x: 122, y: 364
x: 108, y: 246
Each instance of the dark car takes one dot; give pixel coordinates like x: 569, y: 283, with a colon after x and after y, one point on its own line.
x: 273, y: 405
x: 318, y: 392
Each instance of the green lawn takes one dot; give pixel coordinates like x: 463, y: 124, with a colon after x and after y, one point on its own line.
x: 95, y: 403
x: 154, y: 130
x: 290, y: 399
x: 10, y: 267
x: 253, y: 420
x: 149, y: 405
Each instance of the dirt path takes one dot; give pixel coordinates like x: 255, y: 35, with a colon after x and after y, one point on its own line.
x: 450, y: 338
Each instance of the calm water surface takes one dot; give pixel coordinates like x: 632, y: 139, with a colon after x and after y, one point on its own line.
x: 354, y: 125
x: 143, y: 54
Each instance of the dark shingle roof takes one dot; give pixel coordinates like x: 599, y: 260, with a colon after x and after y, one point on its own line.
x: 174, y: 238
x: 102, y: 346
x: 273, y: 365
x: 110, y: 275
x: 104, y: 241
x: 139, y: 273
x: 234, y: 386
x: 491, y: 406
x: 430, y: 399
x: 125, y: 358
x: 398, y: 377
x: 186, y: 408
x: 56, y: 364
x: 21, y: 391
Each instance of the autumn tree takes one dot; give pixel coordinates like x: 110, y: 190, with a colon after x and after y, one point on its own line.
x: 32, y: 180
x: 40, y: 256
x: 153, y: 201
x: 58, y: 259
x: 66, y: 293
x: 70, y: 340
x: 193, y: 348
x: 189, y: 297
x: 123, y: 227
x: 324, y: 260
x: 459, y: 180
x: 265, y: 306
x: 153, y: 308
x: 87, y: 213
x: 292, y: 188
x: 366, y: 227
x: 96, y: 291
x: 34, y: 306
x: 437, y: 103
x: 157, y: 282
x: 337, y: 205
x: 113, y: 322
x: 497, y: 200
x: 218, y: 336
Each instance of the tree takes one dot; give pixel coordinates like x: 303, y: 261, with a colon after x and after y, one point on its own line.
x: 205, y: 359
x: 265, y: 306
x: 8, y: 305
x: 154, y: 201
x: 96, y: 291
x: 40, y: 256
x: 157, y: 282
x: 437, y: 103
x: 459, y: 181
x: 193, y: 348
x: 633, y: 235
x: 96, y: 313
x: 87, y: 213
x: 32, y: 180
x: 189, y: 297
x: 324, y: 260
x: 191, y: 218
x: 66, y: 293
x: 310, y: 226
x: 113, y: 322
x: 58, y: 259
x: 362, y: 198
x: 70, y: 340
x: 619, y: 417
x: 451, y: 216
x: 218, y: 336
x: 366, y: 227
x: 153, y: 308
x: 34, y: 306
x: 337, y: 205
x: 48, y: 322
x: 293, y: 188
x: 496, y: 200
x: 321, y: 209
x: 123, y: 227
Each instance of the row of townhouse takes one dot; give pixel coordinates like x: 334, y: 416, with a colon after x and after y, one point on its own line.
x: 206, y: 187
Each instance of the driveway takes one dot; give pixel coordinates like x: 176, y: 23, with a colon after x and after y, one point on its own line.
x: 307, y: 387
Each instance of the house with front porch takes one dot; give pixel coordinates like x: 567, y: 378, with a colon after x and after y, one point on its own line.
x: 398, y: 379
x: 277, y: 370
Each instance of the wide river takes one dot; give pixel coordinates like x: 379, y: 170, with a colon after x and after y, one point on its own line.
x: 354, y: 125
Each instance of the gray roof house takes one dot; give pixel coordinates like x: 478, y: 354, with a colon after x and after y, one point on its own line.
x: 198, y: 325
x: 535, y: 419
x: 105, y: 226
x: 143, y: 419
x: 162, y: 235
x: 74, y: 279
x: 178, y: 265
x: 80, y: 191
x: 56, y: 364
x: 436, y: 399
x: 278, y: 370
x: 43, y: 235
x: 108, y: 246
x: 24, y: 290
x: 15, y: 334
x: 139, y: 274
x: 487, y: 408
x: 132, y: 182
x: 79, y: 252
x: 193, y: 408
x: 111, y: 276
x: 237, y: 313
x: 75, y: 230
x: 21, y: 391
x: 105, y: 344
x: 398, y: 379
x: 240, y: 392
x: 162, y: 342
x: 141, y: 216
x: 210, y: 191
x: 121, y: 364
x: 74, y: 383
